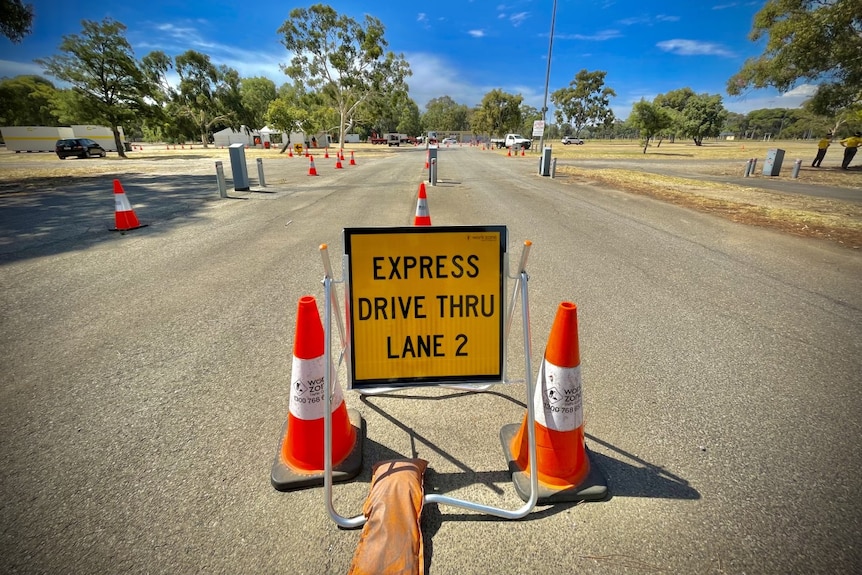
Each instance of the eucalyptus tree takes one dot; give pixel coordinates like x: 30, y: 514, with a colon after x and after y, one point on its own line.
x: 208, y: 95
x: 497, y: 113
x: 696, y: 116
x: 816, y: 41
x: 27, y: 101
x: 256, y: 95
x: 651, y: 119
x: 585, y: 102
x: 341, y: 58
x: 16, y: 19
x: 446, y: 115
x: 108, y: 84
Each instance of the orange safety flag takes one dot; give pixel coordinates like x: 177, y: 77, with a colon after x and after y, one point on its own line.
x: 391, y: 540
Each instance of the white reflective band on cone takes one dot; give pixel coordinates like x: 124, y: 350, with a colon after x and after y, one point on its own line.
x: 558, y: 399
x: 122, y: 203
x: 306, y: 389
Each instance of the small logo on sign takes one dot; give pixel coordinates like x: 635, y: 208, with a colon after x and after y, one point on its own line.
x: 298, y: 387
x: 554, y: 395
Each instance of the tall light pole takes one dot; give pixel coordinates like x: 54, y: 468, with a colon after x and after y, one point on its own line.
x: 548, y: 76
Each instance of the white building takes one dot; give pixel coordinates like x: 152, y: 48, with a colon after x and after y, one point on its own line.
x: 44, y: 138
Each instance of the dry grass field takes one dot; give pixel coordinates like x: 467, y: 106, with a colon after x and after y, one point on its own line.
x: 706, y: 178
x: 714, y: 182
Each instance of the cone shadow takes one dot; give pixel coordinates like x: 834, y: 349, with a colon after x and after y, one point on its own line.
x: 641, y: 479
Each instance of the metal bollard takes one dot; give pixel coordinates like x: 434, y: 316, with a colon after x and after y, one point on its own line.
x: 260, y: 177
x: 433, y: 171
x: 553, y: 168
x: 753, y: 165
x: 748, y: 168
x: 222, y: 186
x: 796, y: 167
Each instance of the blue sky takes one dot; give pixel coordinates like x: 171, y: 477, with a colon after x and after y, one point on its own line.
x: 456, y: 48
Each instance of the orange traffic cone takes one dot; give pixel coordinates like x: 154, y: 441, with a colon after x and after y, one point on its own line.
x: 509, y: 152
x: 352, y: 159
x: 338, y: 165
x: 523, y: 152
x: 562, y: 462
x: 124, y: 216
x: 423, y: 217
x: 427, y: 159
x: 326, y: 154
x: 289, y: 152
x: 299, y: 461
x: 312, y: 171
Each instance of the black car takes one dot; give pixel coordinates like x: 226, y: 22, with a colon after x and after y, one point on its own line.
x: 79, y: 147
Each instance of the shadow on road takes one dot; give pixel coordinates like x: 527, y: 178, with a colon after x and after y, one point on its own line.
x: 48, y: 216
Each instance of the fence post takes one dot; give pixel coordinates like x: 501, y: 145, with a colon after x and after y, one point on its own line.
x: 260, y: 177
x: 222, y: 187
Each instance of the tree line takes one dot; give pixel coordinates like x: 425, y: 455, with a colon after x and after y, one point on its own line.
x: 343, y: 78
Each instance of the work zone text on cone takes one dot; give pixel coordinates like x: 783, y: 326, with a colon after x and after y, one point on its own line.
x: 563, y: 465
x: 299, y: 461
x: 423, y: 217
x: 124, y: 216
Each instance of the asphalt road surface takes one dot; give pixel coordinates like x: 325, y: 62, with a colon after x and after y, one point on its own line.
x: 145, y: 378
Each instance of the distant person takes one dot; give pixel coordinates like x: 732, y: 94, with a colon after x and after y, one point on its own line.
x: 850, y: 145
x: 822, y: 146
x: 313, y: 142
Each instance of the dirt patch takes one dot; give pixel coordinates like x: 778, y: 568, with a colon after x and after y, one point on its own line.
x: 800, y: 215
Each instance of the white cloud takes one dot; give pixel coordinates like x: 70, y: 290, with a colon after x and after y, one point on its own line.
x: 601, y: 36
x: 434, y: 76
x: 648, y: 20
x: 803, y: 91
x: 176, y: 38
x: 476, y: 33
x: 10, y: 69
x: 518, y: 19
x: 759, y: 99
x: 693, y: 48
x: 632, y: 21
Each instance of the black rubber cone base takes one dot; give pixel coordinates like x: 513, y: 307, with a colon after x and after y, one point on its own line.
x: 124, y: 230
x: 285, y: 478
x: 593, y: 488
